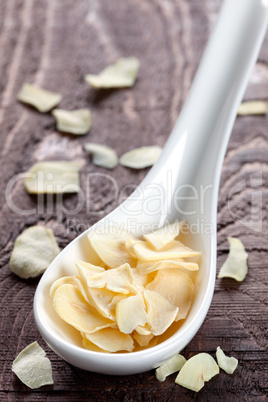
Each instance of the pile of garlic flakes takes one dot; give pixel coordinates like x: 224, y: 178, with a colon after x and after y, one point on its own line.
x: 139, y: 289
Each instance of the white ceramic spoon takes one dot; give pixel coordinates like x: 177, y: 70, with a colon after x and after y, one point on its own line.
x: 193, y: 156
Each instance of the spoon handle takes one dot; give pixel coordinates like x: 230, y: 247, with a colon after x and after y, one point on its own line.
x: 196, y: 147
x: 210, y: 110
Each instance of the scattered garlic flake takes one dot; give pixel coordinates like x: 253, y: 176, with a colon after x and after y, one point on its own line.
x: 41, y: 99
x: 122, y: 74
x: 169, y: 367
x: 196, y: 371
x: 33, y: 252
x: 102, y: 155
x: 75, y: 121
x: 142, y: 157
x: 228, y: 364
x: 236, y: 264
x: 53, y: 178
x: 252, y: 108
x: 33, y: 367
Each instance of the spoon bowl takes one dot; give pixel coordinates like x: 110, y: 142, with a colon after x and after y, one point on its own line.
x: 182, y: 185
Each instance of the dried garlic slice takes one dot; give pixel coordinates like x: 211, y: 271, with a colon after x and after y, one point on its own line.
x: 41, y: 99
x: 142, y: 340
x: 174, y: 249
x: 161, y: 237
x: 140, y: 279
x: 53, y: 178
x: 111, y: 251
x: 122, y: 74
x: 91, y: 346
x: 66, y: 280
x: 112, y: 306
x: 161, y: 314
x: 100, y: 299
x: 169, y: 367
x: 228, y: 364
x: 130, y: 313
x: 143, y: 330
x: 140, y: 158
x: 236, y: 264
x: 196, y: 371
x: 252, y: 108
x: 73, y: 309
x: 152, y: 266
x: 111, y: 340
x: 102, y: 155
x: 33, y: 252
x: 87, y: 269
x: 129, y: 246
x: 176, y: 287
x: 117, y: 280
x: 75, y: 121
x: 33, y: 367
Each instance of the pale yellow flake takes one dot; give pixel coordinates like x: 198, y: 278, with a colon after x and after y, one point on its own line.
x: 66, y: 280
x: 119, y: 75
x: 32, y: 367
x: 117, y: 280
x: 228, y: 364
x: 102, y: 155
x: 143, y: 329
x: 196, y: 371
x: 140, y: 279
x: 73, y: 309
x: 140, y: 158
x: 111, y: 340
x: 53, y: 177
x: 73, y: 121
x: 100, y: 299
x: 175, y: 286
x: 130, y: 313
x: 161, y: 314
x: 152, y: 266
x: 142, y: 340
x: 41, y: 99
x: 173, y: 250
x: 161, y: 237
x: 111, y: 251
x: 87, y: 269
x: 252, y: 108
x: 236, y: 264
x: 173, y: 365
x: 33, y: 252
x: 91, y: 346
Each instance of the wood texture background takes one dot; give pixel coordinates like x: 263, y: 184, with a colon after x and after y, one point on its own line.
x: 53, y: 44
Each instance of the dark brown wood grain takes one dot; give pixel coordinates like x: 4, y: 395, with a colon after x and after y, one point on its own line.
x: 53, y: 44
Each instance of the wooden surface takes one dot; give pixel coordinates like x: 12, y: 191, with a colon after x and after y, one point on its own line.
x: 53, y: 44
